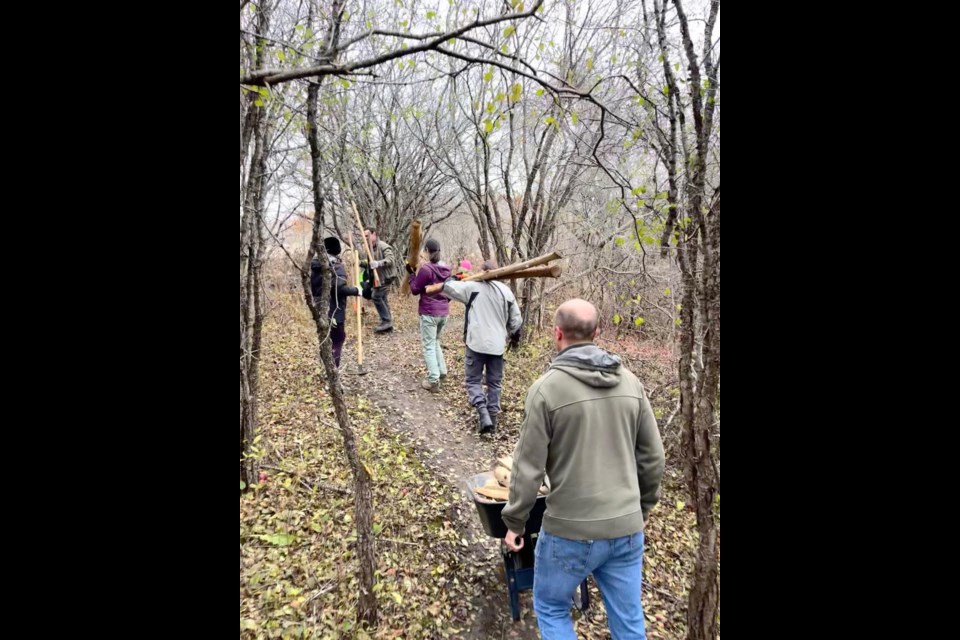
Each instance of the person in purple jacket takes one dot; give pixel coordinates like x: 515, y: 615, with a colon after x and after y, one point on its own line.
x: 434, y: 311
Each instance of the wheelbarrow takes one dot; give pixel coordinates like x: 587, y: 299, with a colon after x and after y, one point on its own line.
x: 518, y: 567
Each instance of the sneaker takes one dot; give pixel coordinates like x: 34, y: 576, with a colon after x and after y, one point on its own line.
x: 432, y: 387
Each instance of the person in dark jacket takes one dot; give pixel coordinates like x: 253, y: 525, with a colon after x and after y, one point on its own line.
x: 434, y: 310
x: 339, y: 292
x: 385, y: 264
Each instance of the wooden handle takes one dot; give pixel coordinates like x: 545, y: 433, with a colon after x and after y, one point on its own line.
x: 356, y: 304
x: 366, y: 244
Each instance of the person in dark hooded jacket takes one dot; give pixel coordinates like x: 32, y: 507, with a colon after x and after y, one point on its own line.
x: 339, y: 292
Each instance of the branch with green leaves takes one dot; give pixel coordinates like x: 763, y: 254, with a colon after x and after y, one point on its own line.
x: 269, y: 77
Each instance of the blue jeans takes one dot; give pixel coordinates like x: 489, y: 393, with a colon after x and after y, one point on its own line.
x: 430, y: 329
x: 561, y: 565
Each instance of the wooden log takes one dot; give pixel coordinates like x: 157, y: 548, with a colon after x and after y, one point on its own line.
x: 499, y: 494
x: 413, y: 255
x: 546, y: 271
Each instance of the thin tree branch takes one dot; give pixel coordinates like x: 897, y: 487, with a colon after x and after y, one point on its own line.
x: 282, y: 43
x: 278, y: 76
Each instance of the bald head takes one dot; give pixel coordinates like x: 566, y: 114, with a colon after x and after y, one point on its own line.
x: 577, y: 320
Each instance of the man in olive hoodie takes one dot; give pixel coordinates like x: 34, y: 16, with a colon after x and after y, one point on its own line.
x: 588, y: 426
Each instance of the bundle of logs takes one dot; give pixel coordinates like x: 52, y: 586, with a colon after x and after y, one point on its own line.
x: 535, y: 268
x: 528, y: 269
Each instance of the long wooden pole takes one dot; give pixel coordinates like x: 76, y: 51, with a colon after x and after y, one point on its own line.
x: 356, y: 304
x: 366, y: 244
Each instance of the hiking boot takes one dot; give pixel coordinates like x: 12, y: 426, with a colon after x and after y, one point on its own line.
x: 383, y: 327
x: 486, y: 422
x: 432, y: 387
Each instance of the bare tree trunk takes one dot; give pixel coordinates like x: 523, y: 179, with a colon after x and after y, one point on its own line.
x: 251, y: 304
x: 252, y: 197
x: 700, y: 381
x: 367, y: 613
x: 669, y: 146
x: 698, y: 406
x: 248, y: 469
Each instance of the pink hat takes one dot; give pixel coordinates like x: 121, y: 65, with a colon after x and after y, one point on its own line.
x: 465, y: 265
